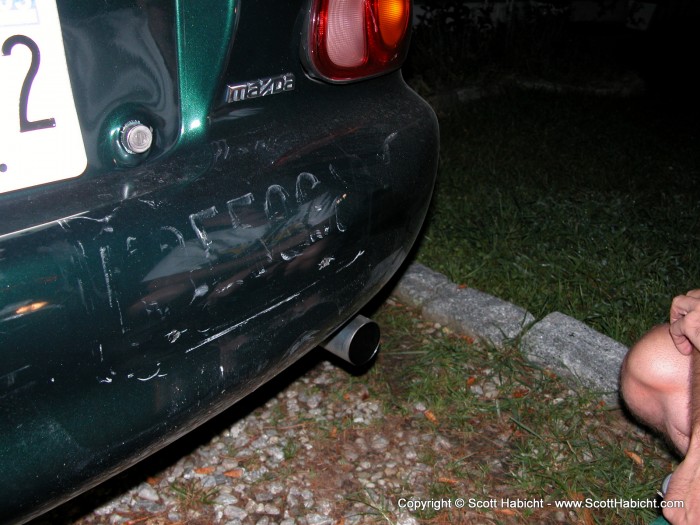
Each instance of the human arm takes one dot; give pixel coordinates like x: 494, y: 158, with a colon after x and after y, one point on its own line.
x: 685, y: 483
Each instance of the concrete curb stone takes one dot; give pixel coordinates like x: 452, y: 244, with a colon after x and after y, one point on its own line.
x: 572, y: 348
x: 479, y: 315
x: 419, y: 285
x: 464, y: 310
x: 563, y: 344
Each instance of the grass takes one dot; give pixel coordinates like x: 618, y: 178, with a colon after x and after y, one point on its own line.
x: 194, y: 500
x: 378, y: 508
x: 583, y: 205
x: 514, y: 430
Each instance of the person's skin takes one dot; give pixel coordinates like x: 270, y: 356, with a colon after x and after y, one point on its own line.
x: 661, y: 384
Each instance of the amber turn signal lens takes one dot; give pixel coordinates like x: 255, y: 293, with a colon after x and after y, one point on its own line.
x: 393, y: 20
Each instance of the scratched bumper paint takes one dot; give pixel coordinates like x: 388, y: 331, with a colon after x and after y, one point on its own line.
x: 168, y: 292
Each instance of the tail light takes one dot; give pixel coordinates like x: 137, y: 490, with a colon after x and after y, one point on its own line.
x: 349, y: 40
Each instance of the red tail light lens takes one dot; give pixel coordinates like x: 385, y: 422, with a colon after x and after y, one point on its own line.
x: 348, y: 40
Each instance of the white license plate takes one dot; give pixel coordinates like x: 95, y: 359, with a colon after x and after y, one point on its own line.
x: 40, y: 138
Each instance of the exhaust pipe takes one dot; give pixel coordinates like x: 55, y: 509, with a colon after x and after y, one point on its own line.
x: 357, y: 342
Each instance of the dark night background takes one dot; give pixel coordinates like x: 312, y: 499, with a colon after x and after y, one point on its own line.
x: 574, y: 42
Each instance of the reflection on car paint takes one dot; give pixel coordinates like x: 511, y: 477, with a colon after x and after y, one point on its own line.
x: 385, y: 155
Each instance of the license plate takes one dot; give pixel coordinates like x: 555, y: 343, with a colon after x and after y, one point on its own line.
x: 40, y: 138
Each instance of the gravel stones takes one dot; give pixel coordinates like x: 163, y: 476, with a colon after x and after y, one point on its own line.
x: 311, y: 455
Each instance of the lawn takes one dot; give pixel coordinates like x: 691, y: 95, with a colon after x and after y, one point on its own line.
x: 518, y: 432
x: 579, y: 204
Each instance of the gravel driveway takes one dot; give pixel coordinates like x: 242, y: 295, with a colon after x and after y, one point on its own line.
x: 318, y: 451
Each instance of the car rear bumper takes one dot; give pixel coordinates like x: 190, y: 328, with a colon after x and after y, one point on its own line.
x: 167, y: 292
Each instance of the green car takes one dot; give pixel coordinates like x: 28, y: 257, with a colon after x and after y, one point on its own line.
x: 193, y: 194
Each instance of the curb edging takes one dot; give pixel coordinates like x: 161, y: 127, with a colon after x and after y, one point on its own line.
x: 561, y: 343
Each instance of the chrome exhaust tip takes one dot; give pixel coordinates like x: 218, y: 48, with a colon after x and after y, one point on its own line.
x: 357, y: 342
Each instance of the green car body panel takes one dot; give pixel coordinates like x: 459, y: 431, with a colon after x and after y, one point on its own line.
x: 153, y: 291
